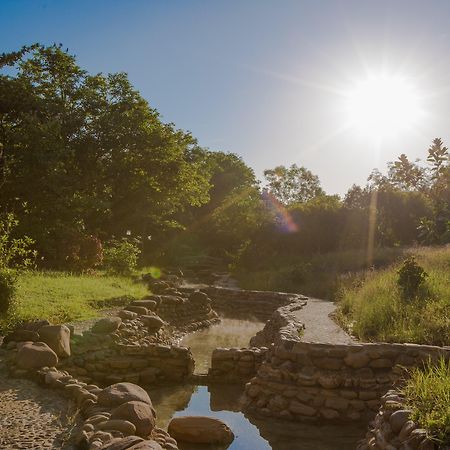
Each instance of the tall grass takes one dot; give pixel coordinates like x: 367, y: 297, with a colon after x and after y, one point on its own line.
x: 375, y: 310
x: 427, y: 394
x: 62, y: 297
x: 317, y: 275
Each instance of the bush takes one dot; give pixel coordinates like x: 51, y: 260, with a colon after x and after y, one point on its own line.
x: 427, y: 393
x: 7, y: 290
x: 411, y: 277
x: 121, y: 256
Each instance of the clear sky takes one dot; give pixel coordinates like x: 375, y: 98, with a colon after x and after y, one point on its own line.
x: 268, y: 80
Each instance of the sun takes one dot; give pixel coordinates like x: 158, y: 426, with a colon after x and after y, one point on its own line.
x: 383, y: 105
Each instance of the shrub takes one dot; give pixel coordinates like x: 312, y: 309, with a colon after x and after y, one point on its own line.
x: 7, y: 290
x: 121, y: 256
x: 427, y: 393
x: 15, y: 254
x: 411, y: 277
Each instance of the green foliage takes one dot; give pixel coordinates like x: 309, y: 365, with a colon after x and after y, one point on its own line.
x: 292, y: 185
x: 86, y: 153
x: 427, y: 394
x: 8, y: 281
x: 16, y: 254
x: 375, y: 310
x: 121, y: 256
x: 411, y: 277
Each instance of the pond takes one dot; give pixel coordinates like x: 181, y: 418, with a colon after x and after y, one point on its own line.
x: 222, y: 402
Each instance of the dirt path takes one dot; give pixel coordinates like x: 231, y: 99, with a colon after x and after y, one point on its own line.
x: 319, y: 327
x: 31, y: 417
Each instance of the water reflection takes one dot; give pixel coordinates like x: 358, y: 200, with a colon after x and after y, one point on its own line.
x: 251, y: 434
x: 227, y: 333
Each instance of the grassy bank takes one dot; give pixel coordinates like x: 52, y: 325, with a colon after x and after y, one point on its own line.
x: 317, y: 276
x: 375, y: 310
x: 427, y: 394
x: 62, y: 297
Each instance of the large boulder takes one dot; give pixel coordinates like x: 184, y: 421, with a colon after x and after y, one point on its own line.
x: 140, y: 414
x: 106, y: 325
x: 200, y: 430
x: 120, y: 393
x: 32, y: 355
x: 57, y: 337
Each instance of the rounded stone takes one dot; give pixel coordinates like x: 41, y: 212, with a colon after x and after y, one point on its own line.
x: 120, y: 393
x: 33, y: 355
x: 200, y: 430
x: 140, y: 414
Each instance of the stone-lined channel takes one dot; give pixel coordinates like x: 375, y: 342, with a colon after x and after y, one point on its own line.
x: 222, y: 401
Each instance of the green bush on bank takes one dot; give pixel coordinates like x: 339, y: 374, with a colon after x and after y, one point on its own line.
x: 375, y: 308
x: 427, y: 393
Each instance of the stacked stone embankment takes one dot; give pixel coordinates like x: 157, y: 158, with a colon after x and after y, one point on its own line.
x: 304, y: 381
x: 242, y: 303
x: 393, y: 428
x: 234, y: 365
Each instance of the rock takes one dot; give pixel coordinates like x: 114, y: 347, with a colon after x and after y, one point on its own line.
x: 153, y: 322
x: 357, y: 360
x: 122, y: 443
x: 120, y: 393
x: 33, y: 355
x: 21, y: 336
x: 126, y: 315
x: 57, y: 337
x: 146, y: 303
x: 124, y: 426
x: 34, y: 325
x: 106, y: 325
x: 300, y: 408
x: 140, y: 414
x: 140, y: 310
x: 200, y: 430
x: 149, y: 445
x: 200, y: 298
x: 398, y: 419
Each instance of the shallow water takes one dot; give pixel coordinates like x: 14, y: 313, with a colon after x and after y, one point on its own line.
x: 227, y: 333
x: 250, y: 434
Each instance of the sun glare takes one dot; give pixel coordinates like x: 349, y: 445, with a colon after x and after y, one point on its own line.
x: 383, y: 105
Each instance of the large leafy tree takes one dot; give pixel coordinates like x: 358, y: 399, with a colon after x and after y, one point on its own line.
x: 86, y: 152
x: 292, y: 184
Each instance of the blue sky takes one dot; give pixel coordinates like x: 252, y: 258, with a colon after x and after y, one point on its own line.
x: 263, y: 79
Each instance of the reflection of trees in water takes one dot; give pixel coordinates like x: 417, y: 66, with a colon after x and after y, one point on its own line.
x: 284, y: 435
x: 224, y: 397
x: 168, y: 399
x: 228, y: 333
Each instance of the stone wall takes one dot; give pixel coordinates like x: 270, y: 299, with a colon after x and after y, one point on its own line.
x: 282, y: 325
x: 112, y: 363
x: 305, y: 381
x: 393, y: 428
x: 233, y: 365
x: 257, y: 304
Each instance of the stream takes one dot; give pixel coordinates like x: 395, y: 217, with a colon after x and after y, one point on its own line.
x: 223, y: 402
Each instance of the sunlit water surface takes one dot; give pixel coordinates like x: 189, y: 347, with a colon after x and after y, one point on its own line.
x: 227, y: 333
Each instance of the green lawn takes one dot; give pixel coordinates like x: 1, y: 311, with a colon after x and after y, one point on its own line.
x: 376, y: 311
x: 62, y: 297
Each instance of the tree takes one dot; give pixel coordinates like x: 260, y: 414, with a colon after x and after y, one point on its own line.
x: 406, y: 175
x: 293, y: 185
x: 438, y: 157
x: 88, y: 155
